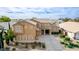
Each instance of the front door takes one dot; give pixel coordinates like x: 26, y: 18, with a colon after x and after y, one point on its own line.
x: 47, y: 31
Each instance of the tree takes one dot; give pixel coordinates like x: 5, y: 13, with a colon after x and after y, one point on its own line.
x: 1, y: 39
x: 65, y: 19
x: 5, y: 19
x: 9, y: 36
x: 76, y: 19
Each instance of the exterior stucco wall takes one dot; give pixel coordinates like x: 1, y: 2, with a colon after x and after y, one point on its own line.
x: 71, y: 35
x: 29, y: 33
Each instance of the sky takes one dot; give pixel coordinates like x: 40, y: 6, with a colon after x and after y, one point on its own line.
x: 39, y: 12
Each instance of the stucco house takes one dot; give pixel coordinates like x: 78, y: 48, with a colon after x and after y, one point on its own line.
x: 25, y: 31
x: 46, y: 26
x: 29, y: 30
x: 71, y: 29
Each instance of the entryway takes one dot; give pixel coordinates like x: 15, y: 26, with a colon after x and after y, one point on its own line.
x: 45, y: 32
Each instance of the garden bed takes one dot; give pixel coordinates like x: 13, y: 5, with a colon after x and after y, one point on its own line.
x: 67, y: 43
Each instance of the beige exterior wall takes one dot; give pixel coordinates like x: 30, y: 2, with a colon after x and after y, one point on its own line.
x: 28, y: 34
x: 50, y: 27
x: 54, y: 28
x: 47, y: 26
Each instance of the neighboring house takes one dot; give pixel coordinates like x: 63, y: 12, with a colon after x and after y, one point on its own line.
x: 47, y: 27
x: 71, y: 29
x: 25, y: 31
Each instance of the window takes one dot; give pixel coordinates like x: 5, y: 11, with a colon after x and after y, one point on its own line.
x: 18, y: 29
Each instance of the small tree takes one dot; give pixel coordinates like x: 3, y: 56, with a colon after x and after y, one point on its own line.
x: 5, y: 19
x: 76, y: 19
x: 10, y: 34
x: 66, y: 19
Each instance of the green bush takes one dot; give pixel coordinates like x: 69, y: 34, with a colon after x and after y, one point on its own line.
x: 62, y: 36
x: 77, y: 44
x: 67, y: 42
x: 61, y: 42
x: 67, y: 38
x: 70, y: 45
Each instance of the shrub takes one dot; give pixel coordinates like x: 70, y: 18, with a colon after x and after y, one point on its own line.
x: 62, y: 42
x: 70, y: 45
x: 62, y: 36
x: 77, y: 44
x: 67, y: 39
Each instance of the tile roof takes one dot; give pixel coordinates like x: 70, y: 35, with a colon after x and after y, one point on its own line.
x: 70, y: 26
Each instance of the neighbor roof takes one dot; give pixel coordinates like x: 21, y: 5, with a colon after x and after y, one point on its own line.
x: 70, y: 26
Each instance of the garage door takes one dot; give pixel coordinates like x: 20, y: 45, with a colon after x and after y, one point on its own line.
x: 77, y: 35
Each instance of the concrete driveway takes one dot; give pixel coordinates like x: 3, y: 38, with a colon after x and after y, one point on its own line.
x: 52, y: 42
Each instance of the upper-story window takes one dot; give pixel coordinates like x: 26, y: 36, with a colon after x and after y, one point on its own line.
x: 18, y: 29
